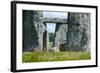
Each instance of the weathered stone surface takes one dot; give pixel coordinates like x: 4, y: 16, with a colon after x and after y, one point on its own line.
x: 60, y: 34
x: 55, y: 20
x: 41, y: 29
x: 54, y: 49
x: 33, y: 29
x: 29, y: 31
x: 78, y: 36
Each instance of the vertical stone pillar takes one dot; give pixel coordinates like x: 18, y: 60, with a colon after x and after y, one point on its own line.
x: 30, y: 34
x: 40, y: 27
x: 78, y: 31
x: 33, y: 29
x: 60, y: 34
x: 47, y: 40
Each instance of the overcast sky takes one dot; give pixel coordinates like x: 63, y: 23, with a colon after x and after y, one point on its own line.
x: 51, y: 26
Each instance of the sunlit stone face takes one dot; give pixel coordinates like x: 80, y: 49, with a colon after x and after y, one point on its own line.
x: 55, y: 14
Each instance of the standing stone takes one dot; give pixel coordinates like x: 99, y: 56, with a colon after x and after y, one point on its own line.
x: 78, y: 31
x: 30, y: 34
x: 60, y: 34
x: 47, y: 40
x: 40, y: 27
x: 33, y: 30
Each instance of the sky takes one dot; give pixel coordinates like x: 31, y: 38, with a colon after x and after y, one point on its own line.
x: 51, y: 26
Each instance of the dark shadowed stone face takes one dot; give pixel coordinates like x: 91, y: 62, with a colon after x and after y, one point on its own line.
x: 33, y: 29
x: 29, y: 31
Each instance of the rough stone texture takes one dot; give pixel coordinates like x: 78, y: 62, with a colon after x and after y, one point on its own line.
x: 47, y: 41
x: 55, y: 20
x: 78, y: 36
x: 54, y: 49
x: 33, y: 30
x: 40, y: 27
x: 29, y: 31
x: 60, y: 34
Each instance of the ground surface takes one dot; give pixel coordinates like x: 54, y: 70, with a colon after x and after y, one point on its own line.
x: 54, y: 56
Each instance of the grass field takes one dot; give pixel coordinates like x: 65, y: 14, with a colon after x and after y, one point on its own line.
x: 54, y: 56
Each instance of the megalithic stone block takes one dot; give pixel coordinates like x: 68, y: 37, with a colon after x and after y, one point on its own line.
x: 60, y: 34
x: 78, y: 37
x: 30, y: 34
x: 41, y: 28
x: 33, y: 29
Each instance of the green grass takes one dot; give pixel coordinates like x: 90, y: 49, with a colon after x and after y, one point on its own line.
x: 54, y: 56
